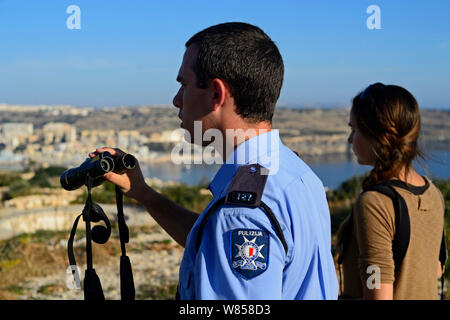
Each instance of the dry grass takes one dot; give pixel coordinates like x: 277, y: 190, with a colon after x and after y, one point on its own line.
x: 41, y: 254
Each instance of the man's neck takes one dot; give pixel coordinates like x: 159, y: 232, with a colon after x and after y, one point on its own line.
x: 234, y: 136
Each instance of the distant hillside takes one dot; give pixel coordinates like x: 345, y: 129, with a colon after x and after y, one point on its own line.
x: 299, y: 128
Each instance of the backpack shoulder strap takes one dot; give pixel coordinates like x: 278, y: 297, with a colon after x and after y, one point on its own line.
x: 443, y: 253
x: 400, y: 242
x: 443, y: 256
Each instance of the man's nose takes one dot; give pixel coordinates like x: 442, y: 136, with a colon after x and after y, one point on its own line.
x: 177, y: 101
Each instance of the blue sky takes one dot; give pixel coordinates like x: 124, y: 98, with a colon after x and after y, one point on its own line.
x: 129, y: 52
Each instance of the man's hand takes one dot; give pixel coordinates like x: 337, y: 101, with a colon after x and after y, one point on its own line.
x: 174, y: 219
x: 132, y: 182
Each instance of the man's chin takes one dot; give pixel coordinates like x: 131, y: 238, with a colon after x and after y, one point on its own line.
x: 188, y: 137
x: 190, y: 132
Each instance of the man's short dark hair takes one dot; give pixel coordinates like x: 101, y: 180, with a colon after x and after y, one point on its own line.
x: 247, y: 60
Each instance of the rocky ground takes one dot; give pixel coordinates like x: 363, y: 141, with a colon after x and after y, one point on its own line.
x: 155, y: 260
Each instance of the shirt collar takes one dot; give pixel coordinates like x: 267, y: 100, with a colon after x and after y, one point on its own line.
x: 257, y: 149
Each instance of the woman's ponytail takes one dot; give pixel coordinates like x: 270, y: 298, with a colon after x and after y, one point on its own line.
x: 389, y: 117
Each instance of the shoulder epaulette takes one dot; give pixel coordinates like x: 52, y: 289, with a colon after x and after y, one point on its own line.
x: 246, y: 189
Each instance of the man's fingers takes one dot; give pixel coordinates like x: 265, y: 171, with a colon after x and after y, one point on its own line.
x: 112, y: 151
x: 119, y: 180
x: 114, y: 178
x: 111, y: 177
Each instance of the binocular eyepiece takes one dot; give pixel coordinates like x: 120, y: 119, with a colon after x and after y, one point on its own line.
x: 95, y: 168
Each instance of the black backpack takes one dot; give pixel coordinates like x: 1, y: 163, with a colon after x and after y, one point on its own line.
x: 400, y: 242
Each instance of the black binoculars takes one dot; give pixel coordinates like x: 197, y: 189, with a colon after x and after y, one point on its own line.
x: 90, y: 173
x: 95, y: 168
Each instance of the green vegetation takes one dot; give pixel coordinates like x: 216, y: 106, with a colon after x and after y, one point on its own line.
x: 189, y: 197
x: 7, y: 178
x: 44, y: 177
x: 105, y: 193
x: 348, y: 189
x: 444, y: 186
x: 18, y: 186
x: 165, y: 291
x: 341, y: 200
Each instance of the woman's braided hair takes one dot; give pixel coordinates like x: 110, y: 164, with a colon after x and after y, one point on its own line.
x: 389, y: 117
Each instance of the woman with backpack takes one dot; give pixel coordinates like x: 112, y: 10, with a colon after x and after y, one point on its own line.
x: 391, y: 242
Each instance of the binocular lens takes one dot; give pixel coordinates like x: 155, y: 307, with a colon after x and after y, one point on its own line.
x: 124, y: 163
x: 129, y: 162
x: 107, y: 164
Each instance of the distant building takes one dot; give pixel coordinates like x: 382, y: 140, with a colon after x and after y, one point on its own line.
x: 14, y: 134
x: 172, y: 136
x: 59, y: 132
x: 127, y: 138
x: 93, y: 138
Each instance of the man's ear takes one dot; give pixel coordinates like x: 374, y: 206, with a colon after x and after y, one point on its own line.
x: 220, y: 92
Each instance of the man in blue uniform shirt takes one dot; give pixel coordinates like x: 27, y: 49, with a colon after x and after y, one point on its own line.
x: 242, y: 257
x: 266, y: 234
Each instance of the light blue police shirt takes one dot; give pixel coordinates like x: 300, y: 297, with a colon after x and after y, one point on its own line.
x: 241, y: 256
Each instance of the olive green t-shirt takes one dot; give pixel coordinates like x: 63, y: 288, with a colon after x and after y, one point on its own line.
x: 371, y: 243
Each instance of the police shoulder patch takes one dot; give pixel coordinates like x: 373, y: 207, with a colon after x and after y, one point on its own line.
x: 249, y: 252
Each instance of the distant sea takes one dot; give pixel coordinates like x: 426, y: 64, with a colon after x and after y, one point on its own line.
x: 331, y: 172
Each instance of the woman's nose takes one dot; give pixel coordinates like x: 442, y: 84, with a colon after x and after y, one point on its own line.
x: 350, y: 138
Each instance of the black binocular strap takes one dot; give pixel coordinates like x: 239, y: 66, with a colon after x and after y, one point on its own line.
x: 72, y: 261
x: 127, y: 290
x: 87, y: 219
x: 92, y: 286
